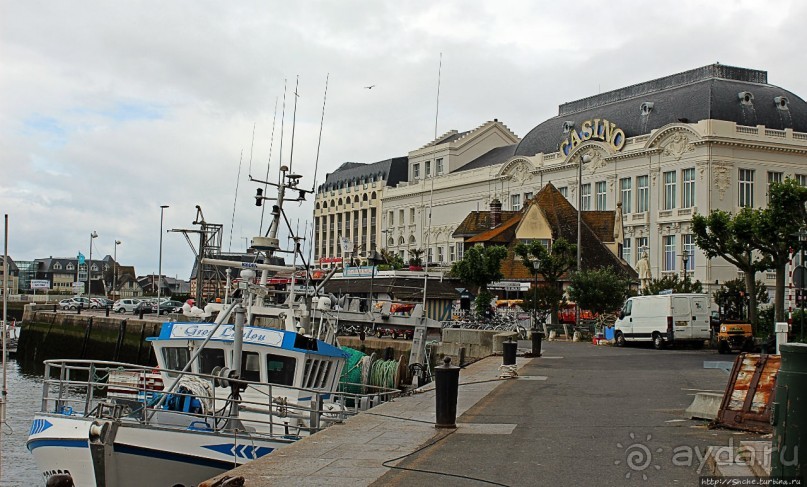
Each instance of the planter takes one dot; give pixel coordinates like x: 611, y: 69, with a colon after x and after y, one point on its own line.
x: 415, y: 268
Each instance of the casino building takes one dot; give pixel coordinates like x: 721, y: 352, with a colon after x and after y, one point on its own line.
x: 710, y: 138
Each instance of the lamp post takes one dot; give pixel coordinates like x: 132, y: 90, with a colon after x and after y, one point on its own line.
x: 536, y: 264
x: 89, y: 265
x: 160, y: 262
x: 115, y: 269
x: 685, y: 258
x: 803, y: 242
x: 584, y: 159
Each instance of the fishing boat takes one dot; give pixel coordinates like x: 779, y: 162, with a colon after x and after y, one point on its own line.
x: 258, y: 377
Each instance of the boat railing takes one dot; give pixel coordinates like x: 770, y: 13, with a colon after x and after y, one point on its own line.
x: 200, y: 402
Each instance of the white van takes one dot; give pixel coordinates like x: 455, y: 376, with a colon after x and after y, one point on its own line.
x: 664, y: 319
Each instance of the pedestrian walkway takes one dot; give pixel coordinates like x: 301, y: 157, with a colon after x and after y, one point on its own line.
x: 367, y: 446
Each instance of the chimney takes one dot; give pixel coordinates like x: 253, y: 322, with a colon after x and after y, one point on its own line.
x: 495, y: 213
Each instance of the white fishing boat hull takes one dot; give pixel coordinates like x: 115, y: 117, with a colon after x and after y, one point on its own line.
x: 139, y: 455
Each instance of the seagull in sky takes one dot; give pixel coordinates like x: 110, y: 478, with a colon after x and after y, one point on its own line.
x: 369, y: 87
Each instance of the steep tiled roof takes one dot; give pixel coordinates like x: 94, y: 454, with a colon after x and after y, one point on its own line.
x: 597, y: 227
x: 503, y: 234
x: 478, y: 221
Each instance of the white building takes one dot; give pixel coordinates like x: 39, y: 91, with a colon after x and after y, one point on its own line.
x: 705, y: 139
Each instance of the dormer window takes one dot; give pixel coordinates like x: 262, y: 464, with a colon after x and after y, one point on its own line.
x: 70, y: 266
x: 57, y: 266
x: 746, y: 97
x: 781, y: 102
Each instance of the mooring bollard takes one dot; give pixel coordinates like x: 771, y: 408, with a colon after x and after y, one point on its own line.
x: 78, y: 309
x: 446, y: 384
x: 537, y: 338
x: 509, y: 352
x: 141, y: 313
x: 106, y: 310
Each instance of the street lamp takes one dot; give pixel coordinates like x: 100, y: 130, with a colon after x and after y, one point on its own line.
x: 160, y: 264
x: 584, y: 159
x: 685, y: 258
x: 803, y: 241
x: 536, y: 264
x: 115, y: 269
x: 89, y: 265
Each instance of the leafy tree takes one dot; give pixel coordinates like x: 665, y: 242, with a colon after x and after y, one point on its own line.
x: 552, y: 265
x: 479, y: 267
x: 393, y: 260
x: 775, y: 233
x: 599, y: 290
x: 416, y: 257
x: 732, y: 299
x: 722, y: 235
x: 677, y: 285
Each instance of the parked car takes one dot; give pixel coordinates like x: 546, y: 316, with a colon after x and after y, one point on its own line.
x: 126, y: 305
x: 100, y: 303
x: 144, y: 306
x: 167, y: 306
x: 75, y: 302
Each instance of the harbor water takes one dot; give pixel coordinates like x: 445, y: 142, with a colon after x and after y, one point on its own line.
x: 17, y: 467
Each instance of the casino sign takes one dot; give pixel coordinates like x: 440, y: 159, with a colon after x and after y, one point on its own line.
x: 595, y: 129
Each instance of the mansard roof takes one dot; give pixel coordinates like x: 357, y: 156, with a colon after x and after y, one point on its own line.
x: 715, y: 92
x: 392, y: 171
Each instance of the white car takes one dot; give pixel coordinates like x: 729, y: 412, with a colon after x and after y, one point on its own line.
x: 75, y: 302
x: 125, y: 305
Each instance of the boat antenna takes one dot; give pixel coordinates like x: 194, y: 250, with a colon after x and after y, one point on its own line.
x: 237, y: 179
x: 431, y: 192
x: 294, y: 123
x: 268, y: 163
x: 319, y: 139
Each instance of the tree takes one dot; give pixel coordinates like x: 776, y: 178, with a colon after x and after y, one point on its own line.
x: 599, y: 290
x: 393, y: 260
x: 732, y: 299
x: 775, y: 233
x: 416, y: 257
x: 672, y: 282
x: 722, y: 235
x: 479, y: 267
x: 553, y: 264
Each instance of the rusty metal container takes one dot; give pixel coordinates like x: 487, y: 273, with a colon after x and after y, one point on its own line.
x: 747, y: 401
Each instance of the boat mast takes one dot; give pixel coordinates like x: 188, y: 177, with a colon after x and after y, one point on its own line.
x: 4, y: 393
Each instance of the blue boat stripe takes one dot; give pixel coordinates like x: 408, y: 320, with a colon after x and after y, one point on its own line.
x: 174, y: 457
x: 34, y: 444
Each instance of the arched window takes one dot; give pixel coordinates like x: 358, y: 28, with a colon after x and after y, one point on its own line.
x: 317, y: 206
x: 391, y: 242
x: 356, y: 199
x: 372, y: 195
x: 339, y: 202
x: 401, y: 241
x: 412, y: 240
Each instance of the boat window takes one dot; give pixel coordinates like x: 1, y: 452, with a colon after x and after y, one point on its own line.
x: 280, y: 369
x: 311, y: 373
x: 323, y: 374
x: 176, y: 358
x: 209, y: 359
x: 250, y: 366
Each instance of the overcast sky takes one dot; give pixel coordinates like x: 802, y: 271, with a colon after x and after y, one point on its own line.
x: 109, y: 109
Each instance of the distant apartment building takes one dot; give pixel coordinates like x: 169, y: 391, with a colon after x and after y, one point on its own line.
x: 347, y: 208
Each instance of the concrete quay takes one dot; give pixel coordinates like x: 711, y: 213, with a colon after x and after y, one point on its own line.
x: 579, y: 415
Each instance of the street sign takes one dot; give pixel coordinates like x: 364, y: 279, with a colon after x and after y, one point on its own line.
x: 799, y: 277
x: 40, y: 284
x: 78, y: 287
